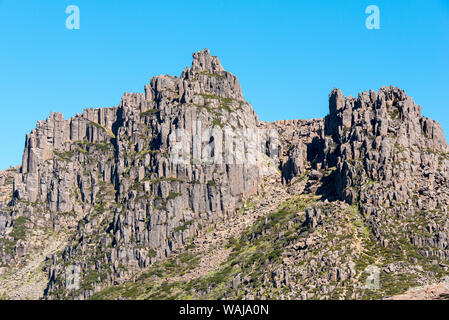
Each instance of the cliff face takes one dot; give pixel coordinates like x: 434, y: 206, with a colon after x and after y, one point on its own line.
x: 113, y: 192
x: 135, y: 181
x: 394, y: 163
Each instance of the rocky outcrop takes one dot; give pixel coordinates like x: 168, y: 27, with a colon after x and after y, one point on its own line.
x: 300, y: 143
x: 126, y: 188
x: 388, y: 160
x: 132, y: 183
x: 438, y: 291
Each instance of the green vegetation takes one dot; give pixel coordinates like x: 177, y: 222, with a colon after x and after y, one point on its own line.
x: 173, y: 195
x: 150, y: 284
x: 183, y: 227
x: 217, y: 123
x: 92, y: 277
x: 64, y: 156
x: 19, y: 231
x: 152, y: 253
x: 160, y: 179
x: 149, y: 112
x: 87, y: 147
x: 251, y: 252
x: 99, y: 126
x: 217, y: 75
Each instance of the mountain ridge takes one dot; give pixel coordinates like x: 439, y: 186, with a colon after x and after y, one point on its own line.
x: 127, y: 189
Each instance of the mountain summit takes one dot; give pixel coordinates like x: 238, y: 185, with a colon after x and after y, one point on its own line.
x: 181, y: 192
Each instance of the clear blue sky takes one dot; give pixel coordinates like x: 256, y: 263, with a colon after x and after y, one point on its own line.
x: 288, y: 55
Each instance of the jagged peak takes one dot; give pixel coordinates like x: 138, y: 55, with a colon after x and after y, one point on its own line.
x: 212, y: 77
x: 203, y: 61
x: 390, y: 91
x: 391, y: 111
x: 384, y: 97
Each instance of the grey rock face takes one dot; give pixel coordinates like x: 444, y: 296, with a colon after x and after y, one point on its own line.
x: 130, y: 185
x: 134, y: 182
x: 392, y: 163
x: 299, y: 144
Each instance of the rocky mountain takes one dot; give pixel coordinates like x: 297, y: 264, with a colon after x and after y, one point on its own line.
x: 181, y: 192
